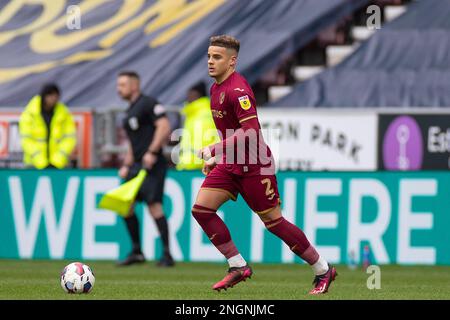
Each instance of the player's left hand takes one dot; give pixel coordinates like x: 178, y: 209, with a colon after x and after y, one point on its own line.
x: 149, y: 160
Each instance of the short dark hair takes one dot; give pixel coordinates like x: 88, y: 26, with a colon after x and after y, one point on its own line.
x: 50, y: 88
x: 199, y: 87
x: 225, y: 41
x: 131, y: 74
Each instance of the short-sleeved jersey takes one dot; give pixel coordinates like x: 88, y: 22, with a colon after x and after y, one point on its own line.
x: 232, y: 103
x: 139, y: 124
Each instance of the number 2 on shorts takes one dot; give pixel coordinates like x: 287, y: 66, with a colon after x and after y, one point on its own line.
x: 270, y: 193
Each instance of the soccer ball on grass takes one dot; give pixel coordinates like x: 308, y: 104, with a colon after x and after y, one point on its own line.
x: 77, y: 277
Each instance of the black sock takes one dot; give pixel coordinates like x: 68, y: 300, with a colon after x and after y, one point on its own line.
x: 164, y: 233
x: 133, y: 229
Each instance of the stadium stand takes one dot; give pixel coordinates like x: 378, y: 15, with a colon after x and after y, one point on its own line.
x: 405, y: 64
x: 269, y: 32
x: 332, y: 46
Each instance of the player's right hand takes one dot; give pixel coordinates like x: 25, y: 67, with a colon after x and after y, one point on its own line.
x: 209, y: 165
x: 204, y: 153
x: 123, y: 172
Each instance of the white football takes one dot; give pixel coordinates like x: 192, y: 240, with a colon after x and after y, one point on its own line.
x: 77, y: 277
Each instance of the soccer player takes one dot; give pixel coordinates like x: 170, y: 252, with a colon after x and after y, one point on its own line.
x: 230, y: 171
x: 148, y: 130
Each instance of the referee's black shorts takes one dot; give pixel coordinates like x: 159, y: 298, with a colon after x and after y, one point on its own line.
x: 152, y: 189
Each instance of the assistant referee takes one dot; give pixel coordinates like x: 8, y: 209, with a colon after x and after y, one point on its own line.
x: 148, y: 130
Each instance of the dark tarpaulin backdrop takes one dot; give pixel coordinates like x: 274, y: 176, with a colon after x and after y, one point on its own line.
x: 267, y: 29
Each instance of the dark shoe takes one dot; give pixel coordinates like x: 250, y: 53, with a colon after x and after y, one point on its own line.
x: 132, y: 258
x: 233, y: 277
x: 166, y: 261
x: 322, y: 283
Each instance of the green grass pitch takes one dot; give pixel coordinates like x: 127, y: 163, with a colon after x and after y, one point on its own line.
x: 36, y: 279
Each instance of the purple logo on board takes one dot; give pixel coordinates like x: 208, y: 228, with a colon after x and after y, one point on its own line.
x: 403, y: 145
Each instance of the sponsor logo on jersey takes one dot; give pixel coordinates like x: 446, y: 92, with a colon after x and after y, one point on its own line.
x: 218, y: 113
x: 245, y: 103
x: 222, y: 97
x: 239, y: 89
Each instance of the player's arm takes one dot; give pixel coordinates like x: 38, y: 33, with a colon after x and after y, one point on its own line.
x: 228, y: 144
x: 244, y: 107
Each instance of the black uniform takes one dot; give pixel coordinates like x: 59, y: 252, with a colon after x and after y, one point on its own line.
x: 139, y: 124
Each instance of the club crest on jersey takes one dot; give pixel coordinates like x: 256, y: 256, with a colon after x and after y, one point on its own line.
x: 222, y: 97
x: 245, y: 103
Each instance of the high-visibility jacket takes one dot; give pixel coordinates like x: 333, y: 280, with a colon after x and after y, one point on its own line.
x: 199, y: 131
x: 39, y: 149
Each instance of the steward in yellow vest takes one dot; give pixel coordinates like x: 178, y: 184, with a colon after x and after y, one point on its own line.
x: 199, y: 129
x: 47, y: 131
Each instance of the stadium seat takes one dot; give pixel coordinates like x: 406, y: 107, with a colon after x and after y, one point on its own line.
x: 393, y: 12
x: 302, y: 73
x: 361, y: 33
x: 336, y: 54
x: 277, y: 92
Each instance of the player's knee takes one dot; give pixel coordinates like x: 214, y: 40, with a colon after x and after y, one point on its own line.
x: 272, y: 215
x: 269, y: 224
x: 201, y: 212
